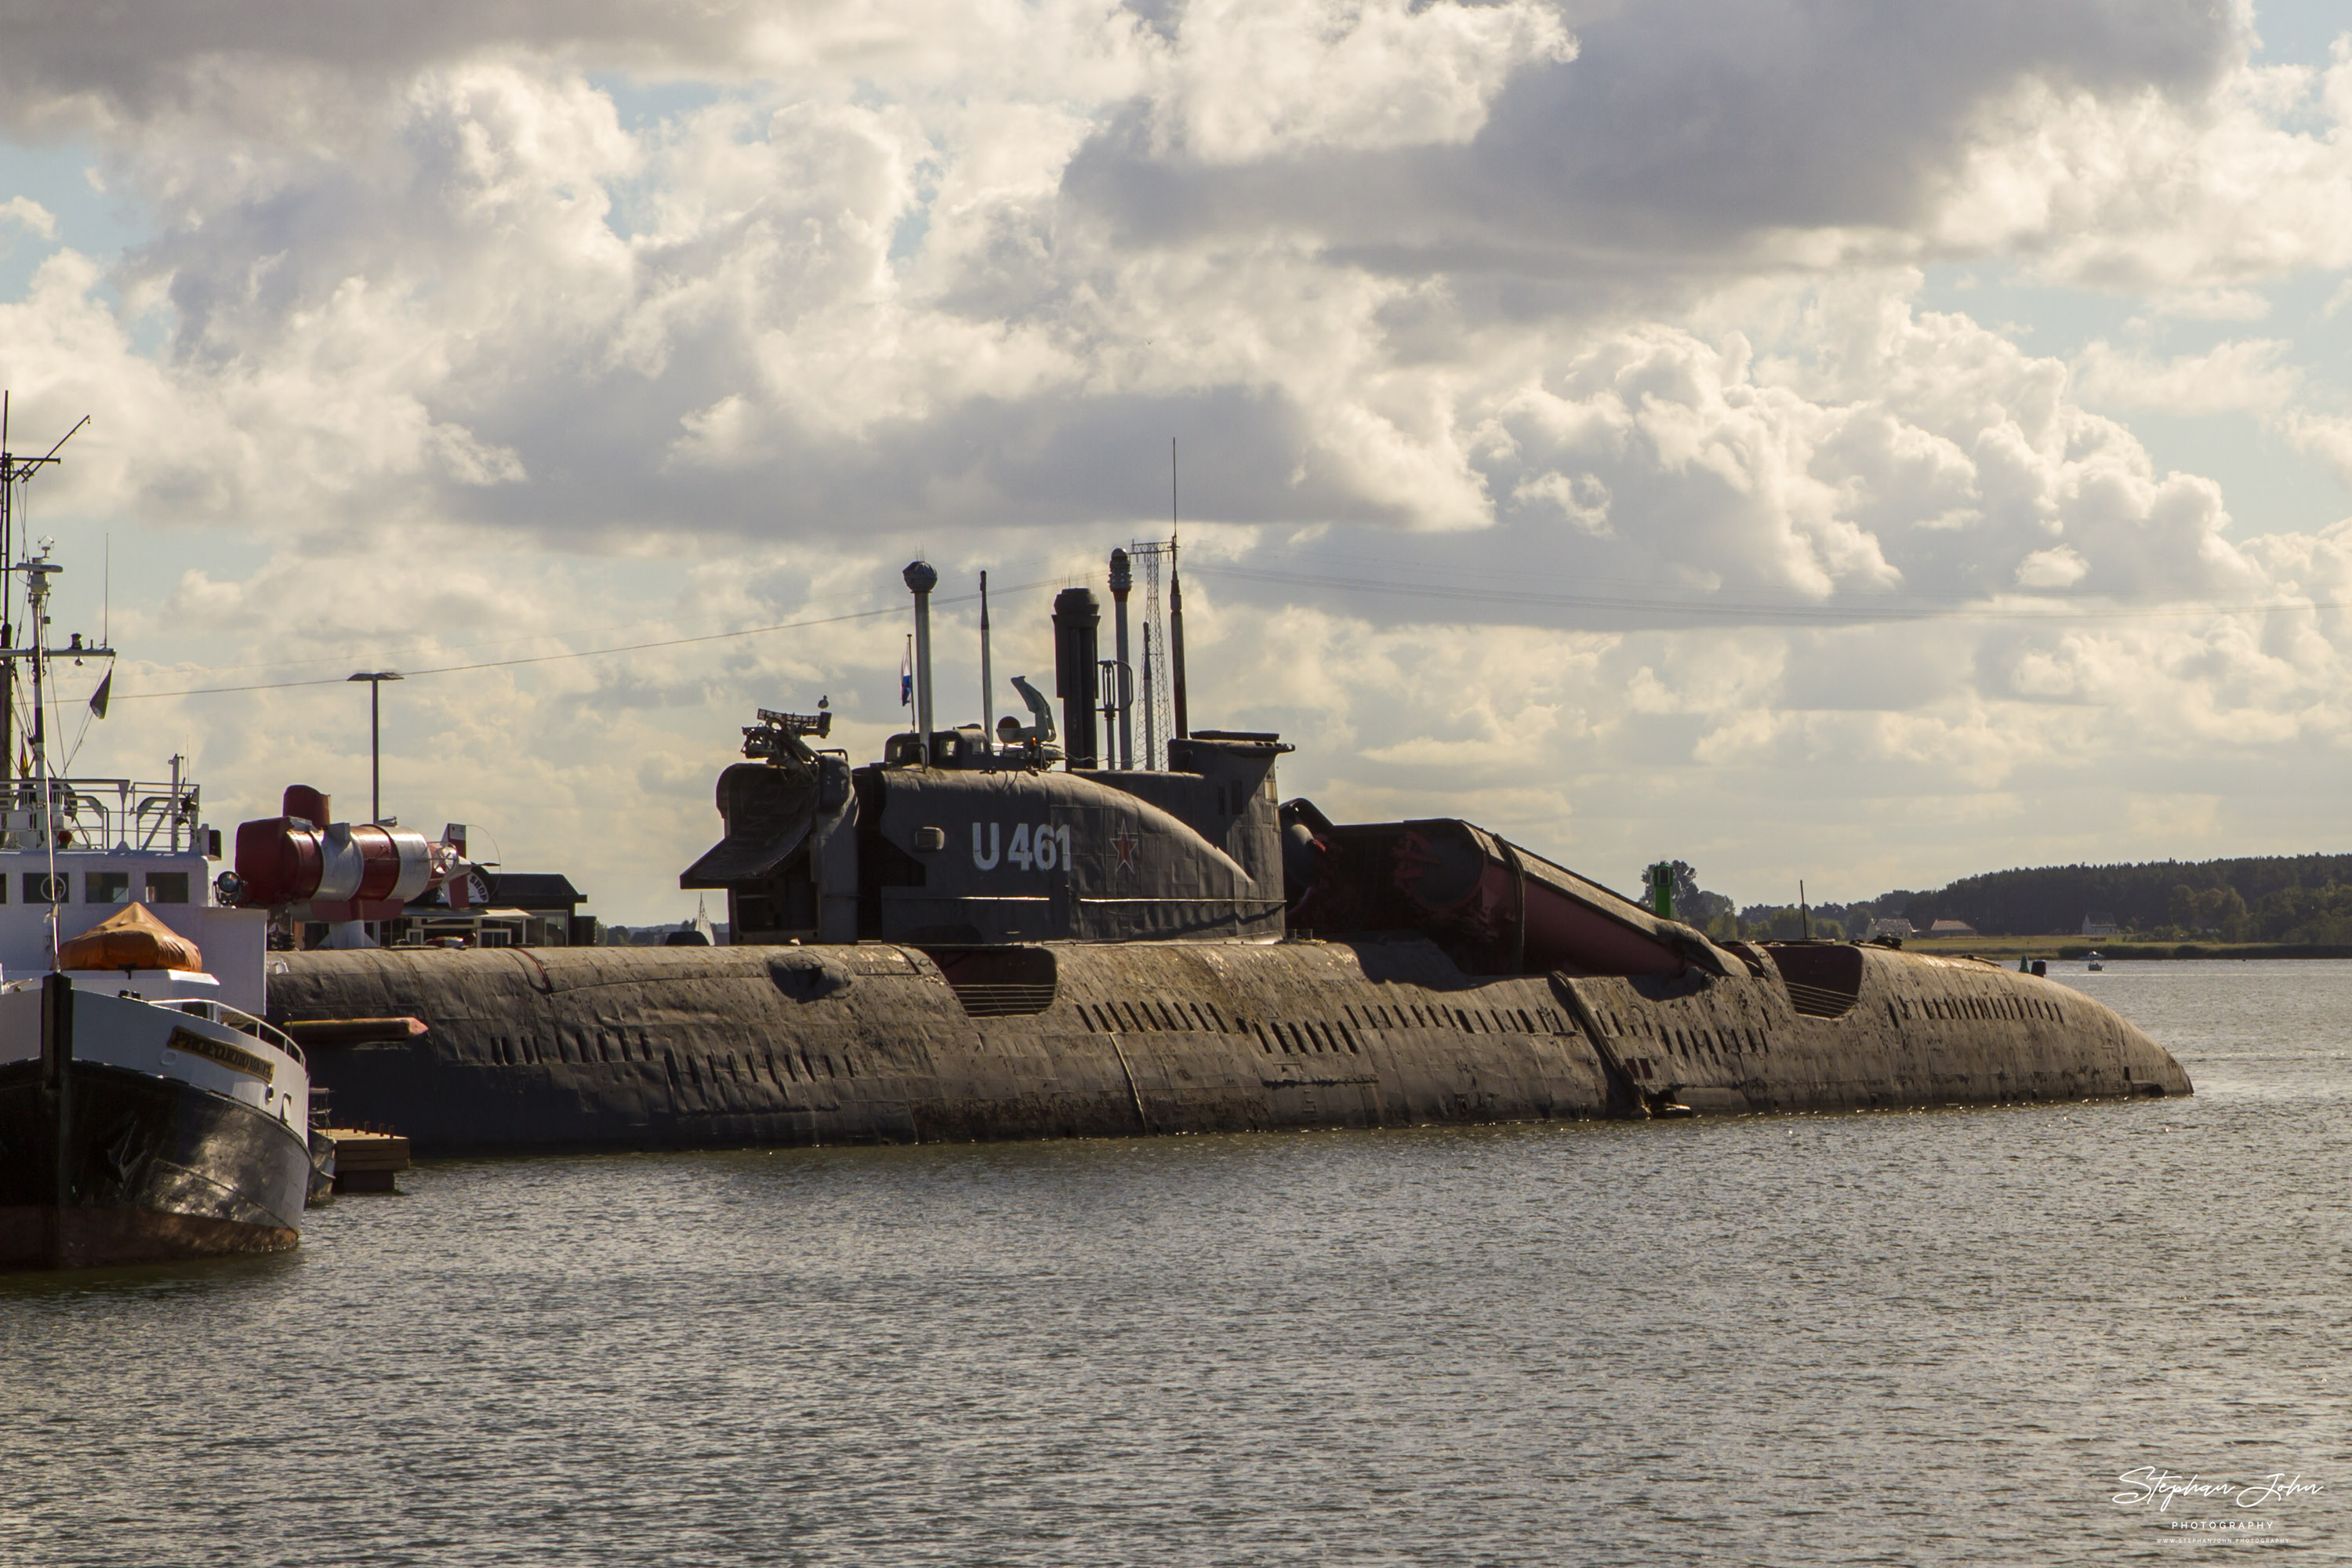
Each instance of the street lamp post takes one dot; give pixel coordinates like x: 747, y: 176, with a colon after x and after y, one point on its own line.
x: 375, y: 679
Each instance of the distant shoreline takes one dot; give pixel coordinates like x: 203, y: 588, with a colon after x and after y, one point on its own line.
x: 2013, y: 947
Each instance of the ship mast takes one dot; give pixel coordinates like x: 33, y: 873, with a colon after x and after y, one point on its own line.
x: 8, y: 483
x: 38, y: 569
x: 14, y: 471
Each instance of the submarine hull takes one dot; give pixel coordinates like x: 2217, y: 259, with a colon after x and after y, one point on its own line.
x: 873, y: 1042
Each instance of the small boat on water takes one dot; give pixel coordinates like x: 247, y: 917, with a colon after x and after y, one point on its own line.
x: 146, y: 1110
x: 2098, y: 961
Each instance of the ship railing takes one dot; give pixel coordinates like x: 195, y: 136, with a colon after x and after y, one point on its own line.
x: 154, y: 817
x: 238, y: 1019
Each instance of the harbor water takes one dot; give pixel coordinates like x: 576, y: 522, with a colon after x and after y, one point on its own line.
x: 2089, y: 1333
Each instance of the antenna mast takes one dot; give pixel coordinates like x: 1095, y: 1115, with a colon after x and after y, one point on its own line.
x: 7, y: 549
x: 1175, y: 608
x: 987, y: 675
x: 1161, y: 704
x: 14, y: 471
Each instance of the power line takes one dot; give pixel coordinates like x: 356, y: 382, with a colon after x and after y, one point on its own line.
x: 1801, y: 614
x: 1731, y: 609
x: 377, y: 652
x: 553, y: 658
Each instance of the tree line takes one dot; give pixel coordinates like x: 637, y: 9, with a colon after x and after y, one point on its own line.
x: 2279, y: 898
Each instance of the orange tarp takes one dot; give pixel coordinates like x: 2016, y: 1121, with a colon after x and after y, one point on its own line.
x: 131, y: 940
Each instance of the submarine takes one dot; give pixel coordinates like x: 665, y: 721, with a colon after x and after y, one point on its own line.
x: 1023, y: 934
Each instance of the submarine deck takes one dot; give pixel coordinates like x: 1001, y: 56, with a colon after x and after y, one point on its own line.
x: 670, y: 1047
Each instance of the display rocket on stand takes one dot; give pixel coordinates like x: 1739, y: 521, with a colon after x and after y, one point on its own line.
x: 344, y: 873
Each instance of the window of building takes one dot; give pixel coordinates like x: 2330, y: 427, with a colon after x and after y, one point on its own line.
x: 106, y: 886
x: 167, y: 887
x: 41, y: 888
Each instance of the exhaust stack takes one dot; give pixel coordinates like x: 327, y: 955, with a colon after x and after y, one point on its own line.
x: 1078, y: 617
x: 921, y: 579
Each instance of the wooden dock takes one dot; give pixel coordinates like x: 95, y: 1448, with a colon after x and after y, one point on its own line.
x: 367, y: 1160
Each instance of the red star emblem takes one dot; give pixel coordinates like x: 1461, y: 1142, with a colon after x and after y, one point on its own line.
x: 1126, y: 844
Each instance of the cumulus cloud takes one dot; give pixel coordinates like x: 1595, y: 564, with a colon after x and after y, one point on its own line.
x: 2245, y: 376
x: 2060, y: 566
x: 22, y: 211
x: 976, y: 290
x: 2326, y: 437
x: 2240, y: 377
x: 2182, y: 200
x: 331, y: 62
x: 1253, y: 79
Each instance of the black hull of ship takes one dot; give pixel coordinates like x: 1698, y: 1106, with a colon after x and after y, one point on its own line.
x: 697, y: 1048
x: 101, y: 1166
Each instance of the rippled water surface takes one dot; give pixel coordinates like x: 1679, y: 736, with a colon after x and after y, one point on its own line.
x: 1898, y: 1338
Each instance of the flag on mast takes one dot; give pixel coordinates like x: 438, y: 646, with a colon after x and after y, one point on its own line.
x: 105, y: 693
x: 907, y: 674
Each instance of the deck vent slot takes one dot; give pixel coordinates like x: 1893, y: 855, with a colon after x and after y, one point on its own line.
x: 1823, y: 982
x: 1000, y: 981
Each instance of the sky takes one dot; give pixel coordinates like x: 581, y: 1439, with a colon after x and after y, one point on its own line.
x: 1866, y: 444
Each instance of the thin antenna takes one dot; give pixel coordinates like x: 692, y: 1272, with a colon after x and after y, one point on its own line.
x: 1157, y: 716
x: 987, y: 675
x: 1175, y: 609
x: 1150, y: 706
x: 68, y: 436
x: 106, y: 602
x: 14, y: 472
x: 1164, y: 713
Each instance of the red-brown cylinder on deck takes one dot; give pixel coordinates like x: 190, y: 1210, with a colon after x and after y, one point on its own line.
x: 348, y: 871
x: 1563, y: 934
x: 381, y: 852
x: 1441, y: 867
x: 278, y: 862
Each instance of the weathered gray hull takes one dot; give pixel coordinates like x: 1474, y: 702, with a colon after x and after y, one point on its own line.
x: 686, y: 1047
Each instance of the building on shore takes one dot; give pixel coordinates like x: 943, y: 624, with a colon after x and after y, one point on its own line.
x: 506, y: 908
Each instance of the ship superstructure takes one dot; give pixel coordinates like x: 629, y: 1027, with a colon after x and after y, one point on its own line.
x: 77, y: 851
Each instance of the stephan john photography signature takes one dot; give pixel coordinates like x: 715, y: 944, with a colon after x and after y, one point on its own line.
x: 2155, y: 1485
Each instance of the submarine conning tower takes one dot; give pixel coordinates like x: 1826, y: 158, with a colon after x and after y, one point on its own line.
x: 971, y: 841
